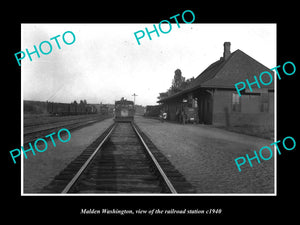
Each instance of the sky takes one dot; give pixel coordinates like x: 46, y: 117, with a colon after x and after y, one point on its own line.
x: 106, y: 63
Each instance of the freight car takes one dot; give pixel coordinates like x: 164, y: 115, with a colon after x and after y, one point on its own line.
x: 65, y: 109
x: 124, y: 110
x: 103, y: 109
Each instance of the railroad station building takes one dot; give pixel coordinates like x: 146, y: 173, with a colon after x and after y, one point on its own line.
x: 211, y: 98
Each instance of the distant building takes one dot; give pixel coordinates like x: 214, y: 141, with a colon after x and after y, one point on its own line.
x: 104, y: 109
x: 153, y: 110
x: 211, y: 98
x: 139, y: 110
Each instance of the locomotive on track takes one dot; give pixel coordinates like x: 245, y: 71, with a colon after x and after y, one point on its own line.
x: 124, y: 110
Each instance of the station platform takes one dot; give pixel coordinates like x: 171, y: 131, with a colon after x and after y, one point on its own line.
x: 205, y: 156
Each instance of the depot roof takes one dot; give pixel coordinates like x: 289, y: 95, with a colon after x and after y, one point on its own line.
x: 226, y: 73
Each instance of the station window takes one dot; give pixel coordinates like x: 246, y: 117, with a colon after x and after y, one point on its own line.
x: 264, y: 102
x: 236, y: 103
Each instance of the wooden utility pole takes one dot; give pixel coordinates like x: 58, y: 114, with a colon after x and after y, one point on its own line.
x: 134, y: 98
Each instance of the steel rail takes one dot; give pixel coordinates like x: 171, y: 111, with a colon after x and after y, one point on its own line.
x: 80, y: 171
x: 57, y: 127
x: 161, y: 172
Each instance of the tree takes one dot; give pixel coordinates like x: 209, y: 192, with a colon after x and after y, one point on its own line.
x: 162, y: 95
x: 178, y: 82
x: 178, y: 79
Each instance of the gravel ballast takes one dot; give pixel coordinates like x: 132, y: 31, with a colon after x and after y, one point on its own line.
x: 40, y: 169
x: 205, y: 156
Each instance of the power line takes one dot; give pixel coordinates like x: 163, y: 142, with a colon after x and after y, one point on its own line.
x: 51, y: 97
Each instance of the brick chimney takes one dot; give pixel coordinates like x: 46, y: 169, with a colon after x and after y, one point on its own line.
x: 227, y: 52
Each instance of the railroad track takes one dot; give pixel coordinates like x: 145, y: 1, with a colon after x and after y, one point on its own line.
x: 121, y: 160
x: 40, y: 131
x: 122, y: 163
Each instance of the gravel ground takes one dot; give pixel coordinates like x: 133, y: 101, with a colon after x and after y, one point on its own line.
x: 40, y: 169
x: 205, y: 156
x: 37, y: 122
